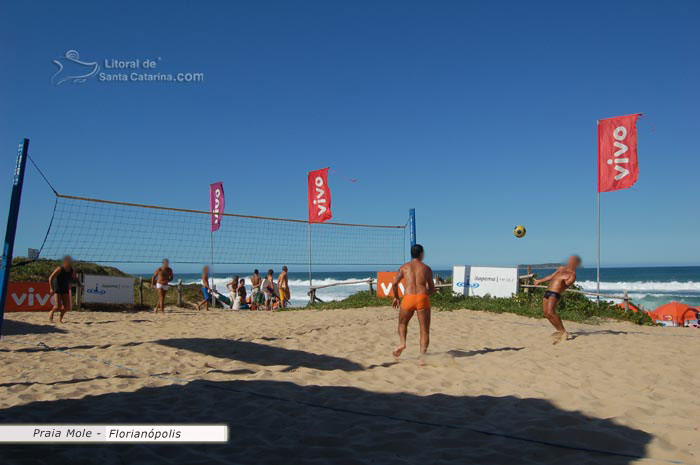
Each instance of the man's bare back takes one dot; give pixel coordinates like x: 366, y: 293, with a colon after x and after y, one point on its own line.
x: 416, y: 276
x: 418, y: 286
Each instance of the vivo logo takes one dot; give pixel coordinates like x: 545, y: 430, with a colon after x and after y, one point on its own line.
x: 620, y: 133
x: 320, y: 199
x: 217, y: 205
x: 386, y: 287
x: 30, y: 298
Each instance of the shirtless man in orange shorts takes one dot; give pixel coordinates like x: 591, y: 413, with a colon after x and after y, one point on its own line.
x: 418, y: 287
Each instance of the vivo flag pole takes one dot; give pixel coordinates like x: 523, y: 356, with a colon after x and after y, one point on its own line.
x: 12, y: 216
x: 598, y: 269
x: 319, y: 204
x: 217, y: 203
x: 618, y: 167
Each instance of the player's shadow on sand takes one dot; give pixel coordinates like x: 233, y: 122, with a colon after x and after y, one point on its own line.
x: 598, y: 332
x: 261, y: 354
x: 485, y: 350
x: 272, y: 422
x: 16, y: 328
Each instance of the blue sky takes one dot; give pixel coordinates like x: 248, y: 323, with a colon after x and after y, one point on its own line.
x: 481, y: 115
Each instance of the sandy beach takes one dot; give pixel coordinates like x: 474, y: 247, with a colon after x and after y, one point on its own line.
x: 322, y: 387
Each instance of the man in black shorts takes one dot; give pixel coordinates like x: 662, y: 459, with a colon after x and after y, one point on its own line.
x: 60, y: 282
x: 559, y: 281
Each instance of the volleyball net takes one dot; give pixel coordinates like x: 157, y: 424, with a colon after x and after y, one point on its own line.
x: 108, y: 231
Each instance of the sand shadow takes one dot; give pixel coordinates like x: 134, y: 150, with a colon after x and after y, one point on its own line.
x: 104, y: 322
x: 261, y: 354
x: 15, y: 328
x: 67, y: 381
x: 275, y: 422
x: 485, y: 350
x: 598, y: 332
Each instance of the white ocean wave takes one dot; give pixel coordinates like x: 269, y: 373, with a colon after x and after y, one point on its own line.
x: 648, y: 286
x: 300, y: 287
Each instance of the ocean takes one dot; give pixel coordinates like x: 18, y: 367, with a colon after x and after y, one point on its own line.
x: 649, y: 287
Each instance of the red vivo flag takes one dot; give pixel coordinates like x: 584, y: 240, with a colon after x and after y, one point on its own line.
x: 216, y: 204
x: 319, y: 196
x: 617, y: 153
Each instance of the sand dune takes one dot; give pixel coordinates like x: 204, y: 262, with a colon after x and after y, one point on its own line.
x: 322, y: 387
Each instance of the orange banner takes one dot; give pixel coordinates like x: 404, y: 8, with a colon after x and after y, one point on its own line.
x: 385, y: 280
x: 28, y: 297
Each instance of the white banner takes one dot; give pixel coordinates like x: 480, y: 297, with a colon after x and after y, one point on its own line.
x: 460, y: 279
x: 108, y: 290
x: 493, y: 281
x: 112, y: 433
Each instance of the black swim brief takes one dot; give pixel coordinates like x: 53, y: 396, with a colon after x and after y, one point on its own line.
x: 549, y: 294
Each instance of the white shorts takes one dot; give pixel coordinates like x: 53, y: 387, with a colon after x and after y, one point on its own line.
x: 162, y: 286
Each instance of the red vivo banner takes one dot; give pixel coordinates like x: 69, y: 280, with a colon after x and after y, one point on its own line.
x: 617, y: 153
x: 216, y: 204
x: 319, y: 196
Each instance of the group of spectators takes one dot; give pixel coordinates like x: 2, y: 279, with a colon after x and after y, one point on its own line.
x: 264, y: 293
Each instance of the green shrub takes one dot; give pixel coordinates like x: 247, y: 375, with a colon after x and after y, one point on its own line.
x: 572, y: 306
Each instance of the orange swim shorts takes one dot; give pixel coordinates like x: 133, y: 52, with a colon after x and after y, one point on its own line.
x: 415, y: 302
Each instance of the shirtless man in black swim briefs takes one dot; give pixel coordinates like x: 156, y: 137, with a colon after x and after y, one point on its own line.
x: 559, y: 281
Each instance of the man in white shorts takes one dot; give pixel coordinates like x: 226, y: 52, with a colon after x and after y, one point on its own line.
x: 160, y: 279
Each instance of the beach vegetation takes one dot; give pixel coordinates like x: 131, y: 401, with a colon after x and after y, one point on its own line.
x: 572, y: 307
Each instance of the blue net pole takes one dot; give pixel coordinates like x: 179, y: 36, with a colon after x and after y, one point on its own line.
x: 12, y: 217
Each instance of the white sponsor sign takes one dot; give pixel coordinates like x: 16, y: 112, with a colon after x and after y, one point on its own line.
x: 493, y: 281
x: 460, y: 279
x: 108, y: 290
x: 112, y: 433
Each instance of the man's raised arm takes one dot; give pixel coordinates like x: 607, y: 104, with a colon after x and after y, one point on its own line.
x: 544, y: 280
